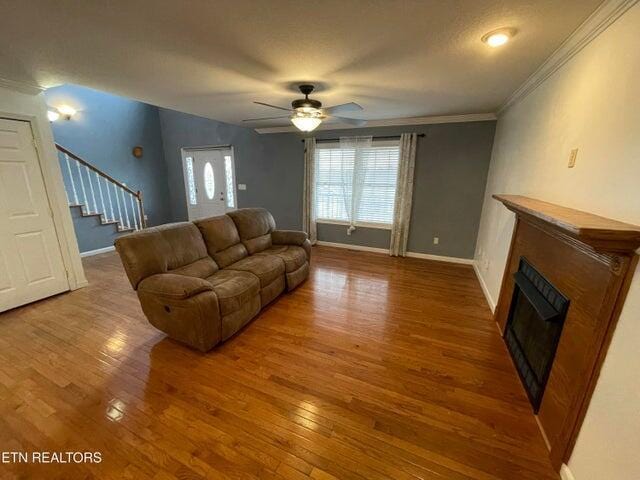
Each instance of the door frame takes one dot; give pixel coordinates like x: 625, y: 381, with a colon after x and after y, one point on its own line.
x: 56, y: 195
x: 183, y: 154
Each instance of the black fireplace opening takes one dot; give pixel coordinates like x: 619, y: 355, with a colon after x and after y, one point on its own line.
x: 534, y: 325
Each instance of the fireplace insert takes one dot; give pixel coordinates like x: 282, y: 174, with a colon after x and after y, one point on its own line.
x: 536, y: 317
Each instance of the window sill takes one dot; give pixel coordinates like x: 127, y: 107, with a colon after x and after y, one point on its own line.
x: 380, y: 226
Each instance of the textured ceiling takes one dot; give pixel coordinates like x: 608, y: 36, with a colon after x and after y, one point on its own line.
x: 213, y: 58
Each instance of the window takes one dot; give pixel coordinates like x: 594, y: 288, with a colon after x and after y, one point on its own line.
x: 191, y: 182
x: 228, y: 172
x: 365, y: 186
x: 209, y: 181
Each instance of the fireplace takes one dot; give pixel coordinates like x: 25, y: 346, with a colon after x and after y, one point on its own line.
x: 534, y: 325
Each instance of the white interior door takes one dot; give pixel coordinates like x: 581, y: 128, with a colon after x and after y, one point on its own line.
x: 208, y: 181
x: 31, y: 264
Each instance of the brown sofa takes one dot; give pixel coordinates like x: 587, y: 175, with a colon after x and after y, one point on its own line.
x: 200, y: 282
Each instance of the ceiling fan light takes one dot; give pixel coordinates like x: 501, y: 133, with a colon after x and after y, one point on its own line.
x: 306, y: 123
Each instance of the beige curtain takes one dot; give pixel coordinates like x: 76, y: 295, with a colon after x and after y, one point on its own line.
x: 308, y: 190
x: 404, y: 195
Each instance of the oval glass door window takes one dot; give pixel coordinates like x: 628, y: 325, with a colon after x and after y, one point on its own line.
x: 209, y: 181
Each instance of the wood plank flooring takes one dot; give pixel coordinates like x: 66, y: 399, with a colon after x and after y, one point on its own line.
x: 375, y: 368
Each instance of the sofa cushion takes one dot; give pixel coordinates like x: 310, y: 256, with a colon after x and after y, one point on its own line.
x: 266, y: 267
x: 292, y: 255
x: 254, y: 226
x: 222, y: 240
x: 203, y: 268
x: 234, y: 288
x: 160, y: 249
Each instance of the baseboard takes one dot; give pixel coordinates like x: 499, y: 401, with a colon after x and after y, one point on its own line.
x: 348, y: 246
x: 483, y: 286
x: 98, y: 251
x: 565, y: 473
x: 426, y: 256
x: 440, y: 258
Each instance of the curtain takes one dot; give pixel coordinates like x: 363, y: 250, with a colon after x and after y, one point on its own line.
x: 353, y: 175
x: 404, y: 195
x: 308, y: 190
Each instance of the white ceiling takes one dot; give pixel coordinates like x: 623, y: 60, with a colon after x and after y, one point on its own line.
x: 397, y: 58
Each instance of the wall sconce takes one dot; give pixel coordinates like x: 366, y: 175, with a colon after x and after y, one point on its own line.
x: 53, y: 115
x: 65, y: 111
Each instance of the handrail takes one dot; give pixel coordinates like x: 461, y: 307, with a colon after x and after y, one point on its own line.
x: 97, y: 171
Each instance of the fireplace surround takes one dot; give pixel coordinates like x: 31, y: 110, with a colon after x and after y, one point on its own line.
x: 589, y: 260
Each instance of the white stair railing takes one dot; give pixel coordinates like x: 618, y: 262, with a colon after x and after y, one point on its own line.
x: 91, y: 204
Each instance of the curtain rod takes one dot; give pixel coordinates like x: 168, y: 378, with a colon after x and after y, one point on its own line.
x: 384, y: 137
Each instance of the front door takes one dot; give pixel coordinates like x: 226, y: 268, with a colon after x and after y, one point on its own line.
x: 31, y: 264
x: 208, y: 181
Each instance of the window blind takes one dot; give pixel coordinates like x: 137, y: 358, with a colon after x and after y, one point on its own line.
x: 372, y: 178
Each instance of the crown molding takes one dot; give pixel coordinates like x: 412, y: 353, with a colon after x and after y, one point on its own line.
x: 22, y: 87
x: 391, y: 122
x: 607, y: 13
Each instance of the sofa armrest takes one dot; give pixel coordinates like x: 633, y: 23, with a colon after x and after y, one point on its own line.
x: 288, y: 237
x: 170, y: 285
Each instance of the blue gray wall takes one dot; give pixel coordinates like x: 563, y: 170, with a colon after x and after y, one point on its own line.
x: 103, y: 132
x: 451, y: 171
x: 269, y: 165
x: 452, y: 163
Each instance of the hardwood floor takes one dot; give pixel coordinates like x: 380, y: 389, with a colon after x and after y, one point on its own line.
x: 375, y: 368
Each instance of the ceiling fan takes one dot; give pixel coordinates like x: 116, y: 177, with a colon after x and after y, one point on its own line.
x: 306, y: 114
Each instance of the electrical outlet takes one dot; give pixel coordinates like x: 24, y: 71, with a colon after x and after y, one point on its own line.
x: 436, y: 240
x: 572, y: 158
x: 242, y: 186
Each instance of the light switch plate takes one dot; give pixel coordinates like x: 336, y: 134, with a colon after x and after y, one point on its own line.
x: 572, y: 158
x: 242, y: 186
x: 436, y: 240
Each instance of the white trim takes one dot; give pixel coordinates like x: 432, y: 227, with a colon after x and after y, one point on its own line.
x: 352, y: 247
x: 391, y: 122
x: 22, y: 87
x: 440, y: 258
x: 54, y: 184
x: 607, y: 13
x: 483, y: 286
x: 97, y: 251
x: 424, y: 256
x: 565, y: 473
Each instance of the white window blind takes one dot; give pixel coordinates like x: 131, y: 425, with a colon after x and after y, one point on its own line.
x: 373, y: 175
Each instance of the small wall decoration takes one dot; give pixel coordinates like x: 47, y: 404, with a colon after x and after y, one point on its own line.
x: 137, y: 151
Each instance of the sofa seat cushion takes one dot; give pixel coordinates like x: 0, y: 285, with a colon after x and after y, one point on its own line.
x: 234, y: 289
x: 292, y: 255
x: 266, y: 267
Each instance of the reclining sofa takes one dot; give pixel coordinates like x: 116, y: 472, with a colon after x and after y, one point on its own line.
x: 200, y: 282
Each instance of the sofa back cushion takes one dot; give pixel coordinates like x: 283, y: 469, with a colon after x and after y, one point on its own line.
x: 174, y: 247
x: 222, y: 240
x: 254, y: 226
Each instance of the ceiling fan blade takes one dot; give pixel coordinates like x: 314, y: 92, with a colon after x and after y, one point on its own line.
x: 356, y: 122
x: 343, y: 108
x: 265, y: 118
x: 273, y: 106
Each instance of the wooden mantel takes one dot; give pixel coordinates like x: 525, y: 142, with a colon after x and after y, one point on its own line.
x: 603, y: 234
x: 591, y: 260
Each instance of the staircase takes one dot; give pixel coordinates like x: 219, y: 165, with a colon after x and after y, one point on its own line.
x: 97, y: 194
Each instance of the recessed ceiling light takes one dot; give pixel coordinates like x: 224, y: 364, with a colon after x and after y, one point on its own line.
x: 499, y: 37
